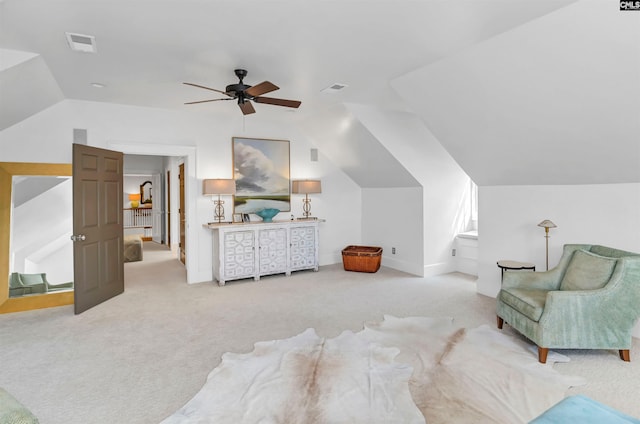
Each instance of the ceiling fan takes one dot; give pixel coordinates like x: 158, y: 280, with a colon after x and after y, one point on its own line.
x: 245, y: 93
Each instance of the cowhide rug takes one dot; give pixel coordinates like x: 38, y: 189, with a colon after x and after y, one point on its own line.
x: 402, y: 370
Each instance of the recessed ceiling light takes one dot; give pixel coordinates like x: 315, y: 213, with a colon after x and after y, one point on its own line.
x: 333, y: 88
x: 97, y: 85
x: 81, y: 43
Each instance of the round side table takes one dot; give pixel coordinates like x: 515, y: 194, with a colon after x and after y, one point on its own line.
x: 514, y: 266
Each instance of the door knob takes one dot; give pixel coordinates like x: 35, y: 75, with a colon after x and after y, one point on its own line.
x: 80, y: 237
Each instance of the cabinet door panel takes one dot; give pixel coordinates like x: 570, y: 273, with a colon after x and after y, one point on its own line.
x: 273, y: 250
x: 303, y: 247
x: 239, y: 258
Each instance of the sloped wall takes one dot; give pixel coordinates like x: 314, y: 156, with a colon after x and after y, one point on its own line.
x: 444, y: 189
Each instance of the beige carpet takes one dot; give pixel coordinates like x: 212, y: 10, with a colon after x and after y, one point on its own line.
x: 140, y: 357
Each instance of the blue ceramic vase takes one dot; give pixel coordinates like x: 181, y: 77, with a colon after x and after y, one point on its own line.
x: 267, y: 214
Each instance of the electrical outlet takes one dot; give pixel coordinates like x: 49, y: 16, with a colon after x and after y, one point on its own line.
x: 453, y: 252
x: 393, y: 250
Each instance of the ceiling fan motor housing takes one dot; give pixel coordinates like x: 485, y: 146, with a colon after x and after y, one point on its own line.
x: 235, y: 89
x: 238, y: 89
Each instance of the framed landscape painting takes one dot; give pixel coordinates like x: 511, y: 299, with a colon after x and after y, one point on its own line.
x: 261, y: 171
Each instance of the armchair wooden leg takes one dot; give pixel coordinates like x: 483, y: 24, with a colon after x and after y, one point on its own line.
x: 542, y: 354
x: 500, y: 322
x: 624, y: 355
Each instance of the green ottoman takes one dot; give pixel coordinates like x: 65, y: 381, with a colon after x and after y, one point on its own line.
x: 581, y: 409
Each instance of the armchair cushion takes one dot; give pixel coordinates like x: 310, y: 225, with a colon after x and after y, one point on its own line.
x: 528, y: 302
x: 587, y: 271
x: 31, y: 279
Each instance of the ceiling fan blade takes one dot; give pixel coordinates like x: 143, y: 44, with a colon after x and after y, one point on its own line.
x: 262, y: 88
x: 206, y: 88
x: 278, y: 102
x: 206, y: 101
x: 246, y: 107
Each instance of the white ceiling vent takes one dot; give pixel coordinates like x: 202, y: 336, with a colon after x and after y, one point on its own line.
x: 334, y: 88
x: 81, y: 43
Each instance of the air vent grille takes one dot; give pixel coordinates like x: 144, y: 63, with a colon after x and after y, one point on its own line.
x: 334, y: 88
x: 81, y: 43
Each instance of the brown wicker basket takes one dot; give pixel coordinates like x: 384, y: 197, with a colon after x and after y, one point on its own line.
x: 361, y: 258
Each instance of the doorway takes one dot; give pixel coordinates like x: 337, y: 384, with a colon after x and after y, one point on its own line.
x: 177, y: 154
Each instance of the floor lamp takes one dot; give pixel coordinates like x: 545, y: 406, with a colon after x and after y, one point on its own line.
x: 546, y: 224
x: 218, y: 187
x: 306, y: 187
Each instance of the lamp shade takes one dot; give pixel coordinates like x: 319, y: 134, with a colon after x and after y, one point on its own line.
x: 306, y: 186
x: 547, y: 224
x: 218, y: 186
x: 134, y: 196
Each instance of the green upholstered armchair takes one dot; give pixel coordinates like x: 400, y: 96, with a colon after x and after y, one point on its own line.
x: 23, y: 284
x: 588, y: 301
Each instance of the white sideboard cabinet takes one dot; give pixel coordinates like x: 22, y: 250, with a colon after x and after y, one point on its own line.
x: 251, y: 250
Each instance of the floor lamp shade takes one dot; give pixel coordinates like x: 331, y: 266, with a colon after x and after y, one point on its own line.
x: 213, y: 187
x: 546, y: 224
x: 306, y: 187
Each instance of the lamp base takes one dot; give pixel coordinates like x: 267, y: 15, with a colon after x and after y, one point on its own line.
x: 219, y: 210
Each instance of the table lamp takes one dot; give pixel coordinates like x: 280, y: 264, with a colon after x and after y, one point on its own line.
x: 218, y: 187
x: 134, y: 198
x: 306, y: 187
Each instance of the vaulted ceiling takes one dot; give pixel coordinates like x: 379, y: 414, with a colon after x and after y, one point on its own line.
x: 518, y: 92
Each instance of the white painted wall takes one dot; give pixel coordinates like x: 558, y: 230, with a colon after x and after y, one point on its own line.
x: 393, y: 218
x: 47, y: 137
x: 604, y: 214
x: 143, y: 164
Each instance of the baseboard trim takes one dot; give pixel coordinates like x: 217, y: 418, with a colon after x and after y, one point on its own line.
x: 439, y: 268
